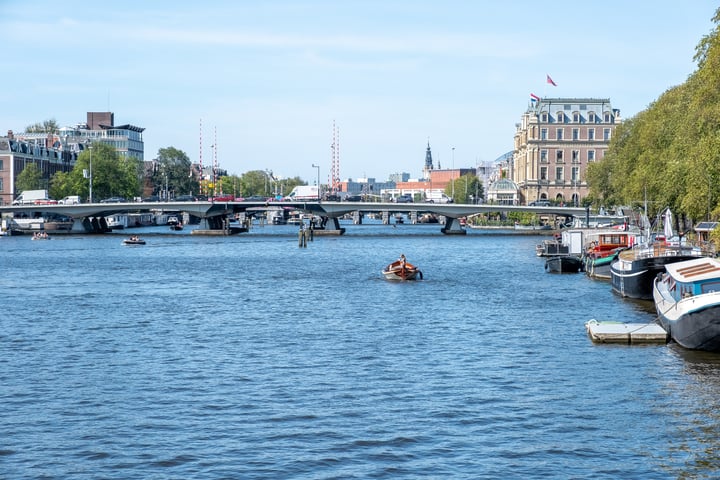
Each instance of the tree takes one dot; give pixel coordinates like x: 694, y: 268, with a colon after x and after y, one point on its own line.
x: 173, y: 174
x: 48, y: 126
x: 668, y: 153
x: 465, y: 188
x: 112, y: 175
x: 29, y: 179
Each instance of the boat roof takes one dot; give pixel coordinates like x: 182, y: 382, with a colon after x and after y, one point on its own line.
x: 695, y: 270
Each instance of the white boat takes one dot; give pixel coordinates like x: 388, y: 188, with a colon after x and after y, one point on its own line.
x: 687, y: 301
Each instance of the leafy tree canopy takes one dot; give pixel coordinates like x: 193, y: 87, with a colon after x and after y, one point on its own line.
x: 112, y: 175
x: 668, y: 154
x: 48, y: 126
x: 173, y: 173
x: 29, y: 179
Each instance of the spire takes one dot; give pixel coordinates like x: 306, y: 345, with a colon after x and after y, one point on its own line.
x: 428, y: 158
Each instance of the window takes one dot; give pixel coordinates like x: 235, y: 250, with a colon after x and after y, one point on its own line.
x: 591, y: 117
x: 607, y: 117
x: 559, y: 174
x: 544, y: 117
x: 575, y: 172
x: 559, y: 134
x: 576, y: 117
x: 560, y: 117
x: 559, y: 156
x: 1, y: 185
x: 543, y: 173
x: 543, y: 156
x: 606, y: 134
x: 576, y: 134
x: 591, y: 155
x: 575, y: 156
x: 591, y: 134
x: 1, y: 165
x: 543, y: 133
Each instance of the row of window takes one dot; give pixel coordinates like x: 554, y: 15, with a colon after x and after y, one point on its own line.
x: 561, y: 117
x: 575, y: 134
x: 560, y: 174
x: 560, y: 156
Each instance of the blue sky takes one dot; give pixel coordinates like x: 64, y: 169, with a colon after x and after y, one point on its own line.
x: 271, y: 77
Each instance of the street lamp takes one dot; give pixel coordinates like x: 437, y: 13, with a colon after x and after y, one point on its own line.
x: 90, y: 199
x: 318, y: 180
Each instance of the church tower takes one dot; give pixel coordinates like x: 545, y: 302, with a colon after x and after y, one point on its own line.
x: 428, y: 162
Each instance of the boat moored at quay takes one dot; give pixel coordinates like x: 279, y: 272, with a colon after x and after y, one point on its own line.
x: 687, y: 301
x: 633, y: 272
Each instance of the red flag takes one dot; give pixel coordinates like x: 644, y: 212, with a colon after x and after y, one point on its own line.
x: 550, y: 81
x: 534, y: 98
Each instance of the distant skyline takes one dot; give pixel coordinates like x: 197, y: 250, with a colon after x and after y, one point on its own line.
x: 272, y: 76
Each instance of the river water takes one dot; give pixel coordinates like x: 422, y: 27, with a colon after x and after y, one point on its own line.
x: 249, y: 357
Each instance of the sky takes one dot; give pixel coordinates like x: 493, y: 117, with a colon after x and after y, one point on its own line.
x: 268, y: 82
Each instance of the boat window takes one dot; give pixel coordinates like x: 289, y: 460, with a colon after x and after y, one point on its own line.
x: 710, y: 287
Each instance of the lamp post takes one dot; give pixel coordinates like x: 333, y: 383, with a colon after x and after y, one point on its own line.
x: 90, y: 199
x: 318, y: 180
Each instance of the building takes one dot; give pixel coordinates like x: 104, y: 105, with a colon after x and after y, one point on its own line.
x: 555, y: 141
x: 58, y: 151
x: 45, y: 152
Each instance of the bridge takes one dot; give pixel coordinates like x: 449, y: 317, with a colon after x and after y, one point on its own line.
x: 215, y: 213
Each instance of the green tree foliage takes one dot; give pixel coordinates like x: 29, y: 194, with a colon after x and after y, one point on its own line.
x: 467, y: 189
x: 112, y: 175
x: 669, y: 154
x: 259, y: 182
x: 172, y: 173
x: 29, y: 179
x: 48, y: 126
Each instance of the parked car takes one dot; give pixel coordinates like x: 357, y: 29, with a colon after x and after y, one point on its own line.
x: 113, y: 200
x: 539, y: 203
x: 354, y: 198
x: 184, y: 198
x: 404, y: 198
x: 151, y: 198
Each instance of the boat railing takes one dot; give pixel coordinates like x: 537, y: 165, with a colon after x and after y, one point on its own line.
x: 663, y: 249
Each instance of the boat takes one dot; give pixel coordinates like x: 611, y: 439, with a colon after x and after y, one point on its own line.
x: 634, y: 270
x: 176, y: 226
x: 564, y: 264
x: 134, y: 240
x: 40, y: 236
x: 401, y: 269
x: 687, y: 301
x: 603, y: 250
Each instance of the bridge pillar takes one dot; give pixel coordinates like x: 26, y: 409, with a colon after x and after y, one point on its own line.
x: 413, y: 218
x: 385, y: 217
x: 453, y: 227
x: 331, y: 226
x: 357, y: 218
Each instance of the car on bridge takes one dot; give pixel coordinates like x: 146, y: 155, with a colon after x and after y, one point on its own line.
x: 113, y: 200
x: 539, y: 203
x: 404, y: 198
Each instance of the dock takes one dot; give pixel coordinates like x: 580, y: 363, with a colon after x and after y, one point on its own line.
x: 626, y: 333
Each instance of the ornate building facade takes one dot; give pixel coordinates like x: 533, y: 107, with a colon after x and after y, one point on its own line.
x: 555, y: 141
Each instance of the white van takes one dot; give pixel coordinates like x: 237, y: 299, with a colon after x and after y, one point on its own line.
x: 70, y: 200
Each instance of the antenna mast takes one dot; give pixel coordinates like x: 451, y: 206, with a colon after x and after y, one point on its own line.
x: 215, y: 167
x: 201, y: 165
x: 334, y: 179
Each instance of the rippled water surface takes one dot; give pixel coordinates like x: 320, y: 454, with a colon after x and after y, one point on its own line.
x: 248, y: 357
